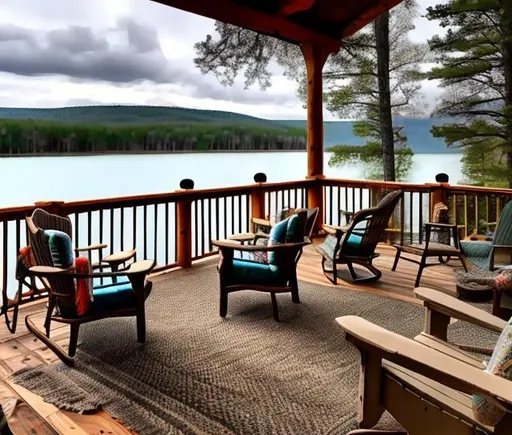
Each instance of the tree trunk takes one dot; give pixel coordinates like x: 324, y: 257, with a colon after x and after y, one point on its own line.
x: 386, y: 120
x: 507, y: 54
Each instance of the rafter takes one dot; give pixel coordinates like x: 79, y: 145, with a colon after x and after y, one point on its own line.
x: 280, y: 27
x: 290, y: 7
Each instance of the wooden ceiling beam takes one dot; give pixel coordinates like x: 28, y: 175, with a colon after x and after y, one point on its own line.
x: 290, y: 7
x: 378, y: 8
x: 280, y: 27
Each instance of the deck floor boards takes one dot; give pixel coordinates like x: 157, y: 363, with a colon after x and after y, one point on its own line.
x: 23, y: 350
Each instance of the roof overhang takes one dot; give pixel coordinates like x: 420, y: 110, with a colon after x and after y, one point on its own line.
x: 319, y: 22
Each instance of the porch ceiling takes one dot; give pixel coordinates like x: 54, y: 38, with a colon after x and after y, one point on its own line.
x: 322, y: 22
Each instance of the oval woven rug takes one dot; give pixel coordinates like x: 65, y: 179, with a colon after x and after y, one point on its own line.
x: 245, y: 374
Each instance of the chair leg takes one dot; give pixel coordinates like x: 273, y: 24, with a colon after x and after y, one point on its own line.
x: 420, y: 270
x: 49, y: 313
x: 223, y: 302
x: 275, y: 308
x: 295, y: 290
x: 352, y: 270
x: 73, y: 338
x: 397, y: 257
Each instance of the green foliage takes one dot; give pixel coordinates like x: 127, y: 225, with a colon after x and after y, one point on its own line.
x: 474, y: 68
x: 370, y: 154
x: 32, y: 137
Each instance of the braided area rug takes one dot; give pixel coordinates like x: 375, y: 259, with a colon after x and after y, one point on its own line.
x: 245, y: 374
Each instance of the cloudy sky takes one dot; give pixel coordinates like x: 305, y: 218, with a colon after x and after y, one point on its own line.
x: 79, y: 52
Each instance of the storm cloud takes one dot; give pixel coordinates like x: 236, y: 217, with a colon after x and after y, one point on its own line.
x: 128, y: 54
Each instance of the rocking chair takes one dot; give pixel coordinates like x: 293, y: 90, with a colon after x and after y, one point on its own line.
x: 119, y: 293
x: 356, y: 243
x: 45, y: 220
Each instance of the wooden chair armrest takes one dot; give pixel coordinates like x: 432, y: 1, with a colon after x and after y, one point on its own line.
x: 334, y: 229
x: 227, y: 244
x: 49, y: 270
x: 262, y: 222
x: 136, y: 268
x: 447, y: 305
x: 91, y: 247
x: 426, y: 361
x: 119, y: 257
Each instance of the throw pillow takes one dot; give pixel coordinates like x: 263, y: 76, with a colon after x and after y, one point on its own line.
x: 277, y: 235
x: 499, y: 365
x: 503, y: 281
x: 61, y: 248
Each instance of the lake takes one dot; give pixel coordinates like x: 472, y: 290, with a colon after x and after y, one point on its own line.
x: 29, y: 179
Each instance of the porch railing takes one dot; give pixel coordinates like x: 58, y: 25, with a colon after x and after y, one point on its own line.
x: 175, y: 228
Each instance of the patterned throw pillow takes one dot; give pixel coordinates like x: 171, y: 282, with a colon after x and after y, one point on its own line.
x: 499, y: 365
x: 503, y: 281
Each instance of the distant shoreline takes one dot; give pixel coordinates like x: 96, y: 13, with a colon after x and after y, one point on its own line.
x: 125, y: 153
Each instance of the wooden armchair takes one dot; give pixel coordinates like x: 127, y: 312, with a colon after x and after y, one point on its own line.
x: 427, y: 383
x: 276, y: 274
x: 28, y: 290
x: 118, y: 293
x: 356, y: 243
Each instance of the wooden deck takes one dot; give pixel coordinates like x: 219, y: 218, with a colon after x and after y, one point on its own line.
x: 33, y: 415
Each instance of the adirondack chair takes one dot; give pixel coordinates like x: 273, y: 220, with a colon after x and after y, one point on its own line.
x: 29, y: 290
x: 482, y: 253
x: 356, y: 242
x: 427, y: 383
x: 118, y: 293
x: 276, y: 273
x: 479, y: 281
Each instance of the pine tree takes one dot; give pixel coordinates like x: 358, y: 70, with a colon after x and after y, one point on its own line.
x: 374, y: 77
x: 475, y: 68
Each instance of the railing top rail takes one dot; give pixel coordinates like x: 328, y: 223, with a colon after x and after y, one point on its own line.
x: 478, y: 190
x: 11, y: 213
x: 375, y: 184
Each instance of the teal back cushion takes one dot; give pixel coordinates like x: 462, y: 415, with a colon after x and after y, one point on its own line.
x: 277, y: 235
x: 296, y: 227
x: 61, y: 248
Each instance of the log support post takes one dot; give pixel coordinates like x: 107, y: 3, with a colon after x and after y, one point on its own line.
x: 257, y: 205
x: 184, y: 228
x: 315, y: 57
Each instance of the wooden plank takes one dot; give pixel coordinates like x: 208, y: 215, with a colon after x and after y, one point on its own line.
x: 21, y: 417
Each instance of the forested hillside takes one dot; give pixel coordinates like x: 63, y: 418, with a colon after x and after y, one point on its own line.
x: 111, y: 129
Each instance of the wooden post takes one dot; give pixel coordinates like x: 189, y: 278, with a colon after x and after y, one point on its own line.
x: 315, y: 57
x: 53, y: 207
x: 257, y: 204
x: 184, y: 229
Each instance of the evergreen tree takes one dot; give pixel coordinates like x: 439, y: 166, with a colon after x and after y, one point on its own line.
x: 374, y: 77
x: 475, y: 67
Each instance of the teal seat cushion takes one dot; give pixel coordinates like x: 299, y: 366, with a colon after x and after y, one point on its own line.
x: 256, y: 273
x: 61, y: 248
x: 113, y: 296
x: 106, y: 282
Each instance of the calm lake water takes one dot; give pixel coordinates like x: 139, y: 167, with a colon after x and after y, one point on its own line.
x: 29, y: 179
